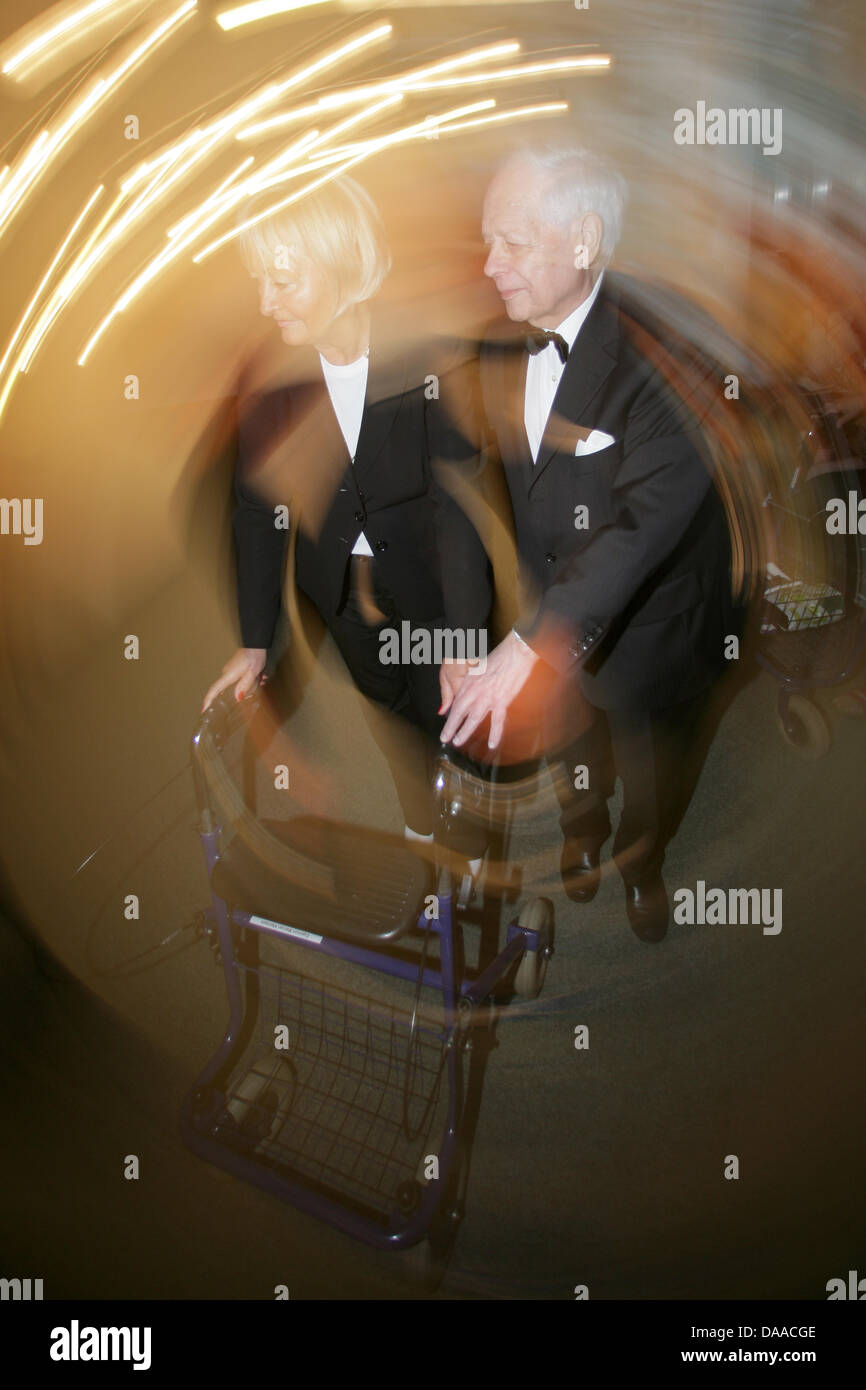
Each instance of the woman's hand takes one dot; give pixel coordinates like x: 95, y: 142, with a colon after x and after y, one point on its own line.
x: 244, y: 667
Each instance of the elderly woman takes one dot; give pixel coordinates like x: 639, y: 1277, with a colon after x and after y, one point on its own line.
x: 339, y: 455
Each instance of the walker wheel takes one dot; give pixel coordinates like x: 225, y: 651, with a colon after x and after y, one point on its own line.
x: 422, y: 1266
x: 425, y: 1264
x: 536, y: 916
x: 465, y: 1019
x: 804, y: 727
x: 253, y: 1104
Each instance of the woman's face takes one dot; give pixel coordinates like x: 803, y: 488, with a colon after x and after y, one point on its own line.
x: 301, y: 299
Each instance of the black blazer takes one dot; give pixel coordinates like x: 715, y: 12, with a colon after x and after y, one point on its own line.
x: 642, y: 595
x: 291, y: 451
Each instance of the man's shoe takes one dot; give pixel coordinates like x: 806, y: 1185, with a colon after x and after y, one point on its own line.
x: 580, y: 869
x: 646, y: 903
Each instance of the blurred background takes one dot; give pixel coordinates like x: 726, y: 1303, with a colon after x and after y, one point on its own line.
x: 118, y: 357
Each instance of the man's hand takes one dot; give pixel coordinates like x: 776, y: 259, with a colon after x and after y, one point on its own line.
x: 244, y: 667
x: 452, y: 674
x: 508, y: 669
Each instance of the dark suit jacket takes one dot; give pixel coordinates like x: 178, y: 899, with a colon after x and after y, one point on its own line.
x: 641, y: 597
x: 291, y: 451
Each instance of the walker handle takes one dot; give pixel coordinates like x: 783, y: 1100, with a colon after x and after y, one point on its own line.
x: 215, y: 727
x: 226, y: 714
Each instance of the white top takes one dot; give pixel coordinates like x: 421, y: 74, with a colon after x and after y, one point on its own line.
x: 347, y: 387
x: 545, y: 369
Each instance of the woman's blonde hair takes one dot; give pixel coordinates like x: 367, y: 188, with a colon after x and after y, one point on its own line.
x: 337, y: 226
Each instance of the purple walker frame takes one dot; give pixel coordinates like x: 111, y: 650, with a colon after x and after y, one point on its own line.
x: 205, y: 1127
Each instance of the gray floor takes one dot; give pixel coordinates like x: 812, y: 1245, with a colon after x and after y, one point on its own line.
x: 602, y: 1167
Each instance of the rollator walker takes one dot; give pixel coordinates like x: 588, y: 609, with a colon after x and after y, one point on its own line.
x: 350, y: 1107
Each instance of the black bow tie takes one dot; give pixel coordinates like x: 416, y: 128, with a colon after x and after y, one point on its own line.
x: 537, y: 341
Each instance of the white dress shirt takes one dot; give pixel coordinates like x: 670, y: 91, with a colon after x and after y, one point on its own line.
x: 545, y: 369
x: 347, y: 387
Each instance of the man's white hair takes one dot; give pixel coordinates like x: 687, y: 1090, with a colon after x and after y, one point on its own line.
x: 581, y: 181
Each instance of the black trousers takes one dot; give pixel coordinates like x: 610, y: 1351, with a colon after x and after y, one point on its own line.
x: 658, y: 756
x: 401, y: 708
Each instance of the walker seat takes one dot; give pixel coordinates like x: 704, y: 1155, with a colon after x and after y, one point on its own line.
x: 379, y: 885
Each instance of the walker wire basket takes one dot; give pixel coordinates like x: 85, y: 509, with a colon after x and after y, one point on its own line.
x: 352, y: 1105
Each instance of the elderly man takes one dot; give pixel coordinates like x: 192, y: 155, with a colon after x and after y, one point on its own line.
x: 620, y: 533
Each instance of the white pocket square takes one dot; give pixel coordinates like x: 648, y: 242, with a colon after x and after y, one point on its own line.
x: 597, y: 439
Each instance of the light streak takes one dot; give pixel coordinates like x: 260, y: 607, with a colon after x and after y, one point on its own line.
x: 271, y: 92
x: 506, y: 74
x: 160, y: 261
x: 546, y: 108
x: 360, y: 150
x: 158, y: 176
x: 213, y: 198
x: 277, y: 207
x: 315, y: 152
x: 394, y: 84
x: 260, y: 9
x: 35, y: 160
x: 61, y: 28
x: 22, y: 322
x: 62, y: 294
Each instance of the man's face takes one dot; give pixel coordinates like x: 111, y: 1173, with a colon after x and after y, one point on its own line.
x: 530, y: 261
x: 299, y: 296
